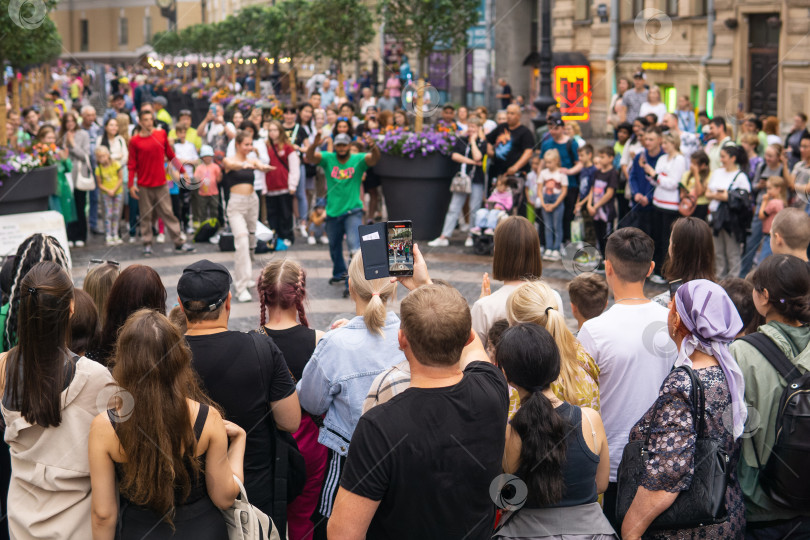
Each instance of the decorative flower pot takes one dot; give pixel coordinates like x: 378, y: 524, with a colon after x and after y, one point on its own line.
x: 27, y: 192
x: 417, y: 189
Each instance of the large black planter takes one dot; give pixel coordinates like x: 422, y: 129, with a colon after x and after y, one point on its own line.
x: 27, y: 192
x: 417, y: 189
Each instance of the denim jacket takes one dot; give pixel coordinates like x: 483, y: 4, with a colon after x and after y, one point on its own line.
x: 337, y: 378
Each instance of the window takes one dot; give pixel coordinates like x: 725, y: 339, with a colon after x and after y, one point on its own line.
x: 672, y: 7
x: 638, y: 7
x: 84, y: 36
x: 582, y: 10
x: 123, y: 31
x: 699, y: 8
x: 147, y: 28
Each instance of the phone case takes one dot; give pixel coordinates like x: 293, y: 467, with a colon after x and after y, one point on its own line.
x: 374, y: 248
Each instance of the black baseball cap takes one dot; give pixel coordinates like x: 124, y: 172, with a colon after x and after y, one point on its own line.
x: 555, y: 120
x: 206, y: 282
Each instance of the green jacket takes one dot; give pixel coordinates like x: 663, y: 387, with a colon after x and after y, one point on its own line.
x: 3, y: 318
x: 763, y: 389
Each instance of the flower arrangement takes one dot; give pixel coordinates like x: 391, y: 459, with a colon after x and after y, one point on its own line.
x: 400, y: 142
x: 276, y: 113
x: 18, y: 161
x: 47, y: 154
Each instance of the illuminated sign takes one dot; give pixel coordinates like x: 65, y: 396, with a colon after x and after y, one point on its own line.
x: 654, y: 66
x: 572, y: 90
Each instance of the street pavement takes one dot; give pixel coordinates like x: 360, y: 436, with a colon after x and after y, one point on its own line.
x: 455, y: 264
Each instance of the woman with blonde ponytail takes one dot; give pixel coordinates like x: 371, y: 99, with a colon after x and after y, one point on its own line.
x: 345, y: 362
x: 578, y: 383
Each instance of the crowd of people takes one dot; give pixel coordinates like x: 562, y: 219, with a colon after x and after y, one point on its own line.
x: 123, y: 420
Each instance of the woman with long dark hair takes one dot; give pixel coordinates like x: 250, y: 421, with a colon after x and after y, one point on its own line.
x: 282, y: 182
x: 558, y: 450
x: 49, y: 394
x: 690, y: 256
x: 165, y: 443
x: 308, y: 172
x: 282, y: 289
x: 77, y: 142
x: 137, y: 287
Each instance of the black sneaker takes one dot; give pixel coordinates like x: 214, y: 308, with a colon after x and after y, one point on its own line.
x: 335, y: 280
x: 147, y: 251
x: 184, y: 248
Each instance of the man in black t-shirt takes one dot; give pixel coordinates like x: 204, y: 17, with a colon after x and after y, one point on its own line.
x: 506, y: 93
x: 420, y: 465
x: 243, y: 373
x: 510, y: 145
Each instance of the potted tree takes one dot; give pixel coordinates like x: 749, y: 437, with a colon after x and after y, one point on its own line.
x: 415, y: 171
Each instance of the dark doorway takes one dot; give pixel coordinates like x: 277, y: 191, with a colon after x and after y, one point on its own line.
x: 763, y: 62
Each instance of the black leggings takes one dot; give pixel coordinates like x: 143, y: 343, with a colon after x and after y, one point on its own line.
x: 280, y: 215
x: 77, y: 230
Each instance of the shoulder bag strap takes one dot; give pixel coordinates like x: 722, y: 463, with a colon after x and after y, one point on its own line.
x: 733, y: 180
x: 773, y: 354
x: 273, y: 146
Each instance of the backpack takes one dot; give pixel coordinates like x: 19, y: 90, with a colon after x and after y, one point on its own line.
x: 206, y: 230
x: 785, y: 477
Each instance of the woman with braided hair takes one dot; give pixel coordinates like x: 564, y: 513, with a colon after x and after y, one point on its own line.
x: 36, y: 248
x: 282, y: 290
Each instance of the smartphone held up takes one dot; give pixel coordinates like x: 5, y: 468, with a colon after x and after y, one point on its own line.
x: 387, y: 249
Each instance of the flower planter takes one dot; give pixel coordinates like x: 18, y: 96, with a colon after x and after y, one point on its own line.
x: 27, y: 192
x: 417, y: 189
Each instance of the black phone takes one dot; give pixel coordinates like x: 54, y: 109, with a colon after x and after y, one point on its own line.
x: 673, y: 287
x: 399, y: 241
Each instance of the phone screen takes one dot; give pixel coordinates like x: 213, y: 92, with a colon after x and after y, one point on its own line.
x: 399, y: 236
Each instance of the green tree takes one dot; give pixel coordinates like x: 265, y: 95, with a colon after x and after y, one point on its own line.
x: 343, y: 28
x: 291, y: 21
x: 425, y: 25
x: 254, y: 26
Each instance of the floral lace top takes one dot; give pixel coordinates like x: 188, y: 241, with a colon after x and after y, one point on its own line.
x: 586, y: 387
x: 672, y: 447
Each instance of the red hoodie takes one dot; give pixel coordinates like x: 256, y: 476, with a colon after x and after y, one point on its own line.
x: 146, y: 158
x: 277, y: 179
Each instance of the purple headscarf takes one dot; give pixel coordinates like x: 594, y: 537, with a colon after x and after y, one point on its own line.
x: 713, y: 322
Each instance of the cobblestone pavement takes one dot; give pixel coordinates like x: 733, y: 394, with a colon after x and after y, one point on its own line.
x: 456, y: 264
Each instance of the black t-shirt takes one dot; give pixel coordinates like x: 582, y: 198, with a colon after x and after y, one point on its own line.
x: 509, y: 145
x: 505, y: 101
x: 602, y: 181
x: 429, y: 455
x: 296, y: 344
x: 476, y: 172
x: 243, y: 383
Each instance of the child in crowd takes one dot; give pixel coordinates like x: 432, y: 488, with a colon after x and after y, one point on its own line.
x: 317, y: 223
x: 499, y: 201
x: 600, y: 204
x: 790, y: 233
x: 694, y: 183
x: 588, y: 293
x: 110, y: 180
x: 750, y: 143
x: 585, y: 153
x: 554, y: 189
x: 623, y: 133
x: 187, y: 153
x: 205, y: 199
x: 773, y: 202
x: 531, y: 188
x: 741, y: 293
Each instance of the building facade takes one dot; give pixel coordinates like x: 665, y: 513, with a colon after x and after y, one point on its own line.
x: 727, y: 56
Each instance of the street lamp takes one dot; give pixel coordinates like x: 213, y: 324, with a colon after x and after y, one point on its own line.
x: 168, y: 9
x: 544, y: 99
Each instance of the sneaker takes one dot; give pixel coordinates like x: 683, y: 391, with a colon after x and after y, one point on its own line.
x: 108, y: 240
x: 658, y: 280
x: 334, y: 280
x: 324, y: 240
x: 214, y: 239
x: 71, y: 243
x: 489, y: 231
x: 160, y: 238
x: 244, y: 296
x: 468, y: 242
x: 79, y: 243
x: 439, y: 242
x: 147, y: 251
x: 554, y: 255
x: 311, y: 241
x: 303, y: 228
x: 189, y: 230
x: 184, y: 248
x: 131, y: 239
x: 117, y: 240
x: 287, y: 243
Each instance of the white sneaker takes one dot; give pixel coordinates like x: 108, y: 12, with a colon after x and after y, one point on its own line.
x: 287, y: 243
x: 468, y: 242
x: 79, y: 243
x: 439, y: 242
x: 71, y: 243
x: 244, y: 296
x: 117, y: 240
x: 161, y: 238
x: 311, y: 241
x: 324, y: 240
x: 555, y: 255
x: 109, y: 241
x: 303, y: 228
x: 132, y: 239
x: 214, y: 239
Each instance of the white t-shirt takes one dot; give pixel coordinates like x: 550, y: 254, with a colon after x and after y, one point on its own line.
x: 492, y: 308
x: 631, y: 346
x: 659, y: 110
x: 721, y: 179
x: 187, y: 153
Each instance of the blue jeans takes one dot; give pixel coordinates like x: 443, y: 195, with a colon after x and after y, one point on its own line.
x: 301, y: 195
x: 487, y: 219
x: 752, y: 244
x: 336, y: 227
x: 457, y: 203
x: 553, y: 222
x: 766, y: 248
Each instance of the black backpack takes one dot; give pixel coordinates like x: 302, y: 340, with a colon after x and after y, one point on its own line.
x: 785, y: 477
